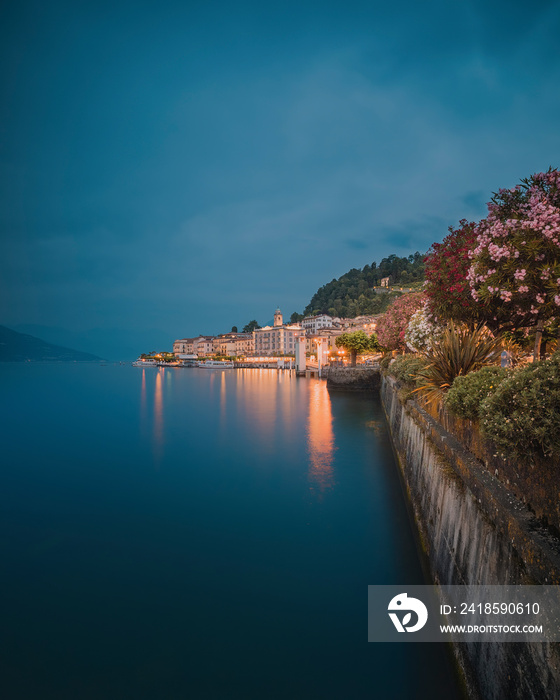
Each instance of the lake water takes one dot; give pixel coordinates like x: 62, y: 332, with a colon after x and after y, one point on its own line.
x: 200, y: 534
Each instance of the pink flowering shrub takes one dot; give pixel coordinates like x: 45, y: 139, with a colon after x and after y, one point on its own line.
x: 391, y: 327
x: 515, y: 264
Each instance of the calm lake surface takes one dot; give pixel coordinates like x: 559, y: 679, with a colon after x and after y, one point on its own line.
x: 191, y: 533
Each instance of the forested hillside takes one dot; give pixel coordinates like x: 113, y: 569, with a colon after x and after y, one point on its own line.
x: 354, y: 294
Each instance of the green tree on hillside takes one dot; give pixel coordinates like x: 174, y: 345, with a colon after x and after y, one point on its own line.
x: 354, y: 294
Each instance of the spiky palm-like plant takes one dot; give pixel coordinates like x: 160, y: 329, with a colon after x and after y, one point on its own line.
x: 458, y: 351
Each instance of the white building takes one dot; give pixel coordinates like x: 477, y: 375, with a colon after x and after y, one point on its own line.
x: 279, y: 339
x: 312, y: 324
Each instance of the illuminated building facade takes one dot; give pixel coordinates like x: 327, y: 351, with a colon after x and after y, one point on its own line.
x: 312, y: 324
x: 278, y: 339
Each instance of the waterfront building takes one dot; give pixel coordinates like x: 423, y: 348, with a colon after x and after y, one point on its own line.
x: 312, y: 324
x: 203, y: 346
x: 278, y: 339
x: 235, y: 344
x: 224, y: 346
x: 183, y: 346
x: 244, y: 344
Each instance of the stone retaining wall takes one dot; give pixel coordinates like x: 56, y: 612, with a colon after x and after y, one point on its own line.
x: 475, y: 532
x: 536, y: 482
x: 353, y: 378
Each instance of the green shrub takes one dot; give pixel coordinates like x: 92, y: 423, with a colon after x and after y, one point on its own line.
x: 467, y: 392
x: 522, y: 417
x: 406, y: 367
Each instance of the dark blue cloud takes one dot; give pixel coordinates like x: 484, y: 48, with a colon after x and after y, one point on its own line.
x: 414, y: 235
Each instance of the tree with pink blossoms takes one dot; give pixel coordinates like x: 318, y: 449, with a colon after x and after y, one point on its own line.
x: 392, y: 325
x: 515, y: 264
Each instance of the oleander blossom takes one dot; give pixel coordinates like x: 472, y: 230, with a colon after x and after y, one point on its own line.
x: 519, y: 242
x: 447, y: 284
x: 421, y: 332
x: 392, y: 325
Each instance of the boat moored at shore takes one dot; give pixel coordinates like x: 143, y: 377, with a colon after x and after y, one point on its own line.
x: 216, y: 364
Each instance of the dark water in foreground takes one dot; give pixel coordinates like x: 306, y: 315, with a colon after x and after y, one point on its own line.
x: 199, y: 534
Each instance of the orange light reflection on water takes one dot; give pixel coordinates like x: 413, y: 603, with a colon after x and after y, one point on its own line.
x: 143, y: 392
x: 222, y: 400
x: 158, y: 417
x: 320, y: 438
x: 257, y: 399
x: 143, y: 403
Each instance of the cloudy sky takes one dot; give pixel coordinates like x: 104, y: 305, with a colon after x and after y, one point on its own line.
x: 173, y: 168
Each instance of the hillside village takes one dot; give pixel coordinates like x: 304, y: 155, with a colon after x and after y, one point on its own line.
x: 277, y: 340
x: 353, y: 302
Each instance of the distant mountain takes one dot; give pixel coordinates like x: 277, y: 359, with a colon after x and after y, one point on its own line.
x: 19, y: 347
x: 111, y: 343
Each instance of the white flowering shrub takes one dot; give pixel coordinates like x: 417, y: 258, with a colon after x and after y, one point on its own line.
x: 421, y: 332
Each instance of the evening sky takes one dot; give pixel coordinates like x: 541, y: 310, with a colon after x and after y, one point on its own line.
x: 169, y: 169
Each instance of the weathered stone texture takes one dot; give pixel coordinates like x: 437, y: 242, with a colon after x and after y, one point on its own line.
x: 353, y: 378
x: 534, y: 481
